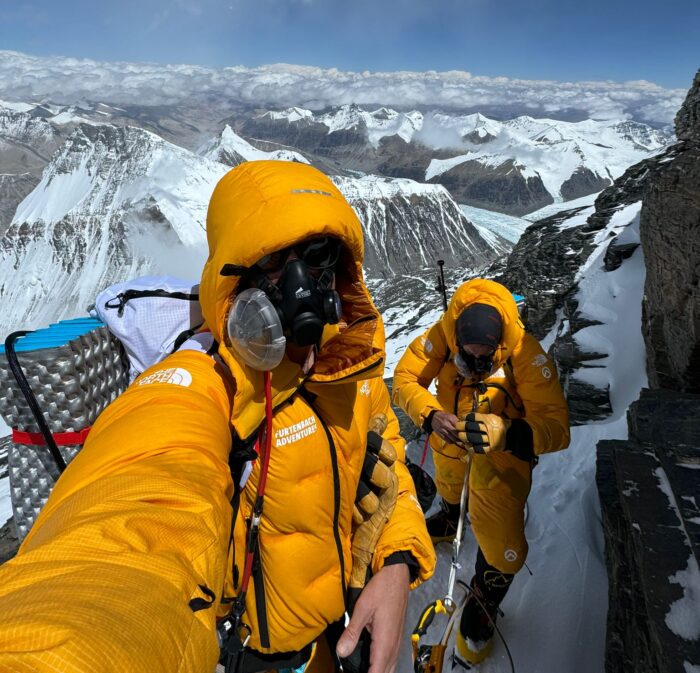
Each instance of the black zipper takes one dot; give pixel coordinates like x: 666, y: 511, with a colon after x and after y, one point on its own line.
x: 336, y: 503
x: 260, y: 600
x: 459, y: 389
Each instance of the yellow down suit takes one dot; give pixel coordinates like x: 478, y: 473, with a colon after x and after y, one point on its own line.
x: 524, y: 385
x: 133, y: 546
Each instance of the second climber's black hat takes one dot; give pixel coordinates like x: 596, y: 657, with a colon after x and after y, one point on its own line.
x: 479, y: 324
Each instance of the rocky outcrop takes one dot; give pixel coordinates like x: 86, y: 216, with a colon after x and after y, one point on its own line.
x: 648, y: 485
x: 502, y: 188
x: 651, y: 519
x: 582, y: 183
x: 688, y: 117
x: 13, y: 188
x: 670, y: 236
x: 544, y: 264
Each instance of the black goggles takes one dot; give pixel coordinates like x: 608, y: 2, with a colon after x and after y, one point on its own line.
x: 316, y: 253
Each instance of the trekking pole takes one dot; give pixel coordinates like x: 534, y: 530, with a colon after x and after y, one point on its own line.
x: 430, y: 658
x: 457, y: 542
x: 441, y: 284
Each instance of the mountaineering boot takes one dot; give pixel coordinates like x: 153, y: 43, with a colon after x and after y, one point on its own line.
x: 476, y: 626
x: 442, y: 525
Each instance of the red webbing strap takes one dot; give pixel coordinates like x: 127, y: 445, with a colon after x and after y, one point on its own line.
x: 266, y: 435
x: 61, y: 438
x: 425, y: 449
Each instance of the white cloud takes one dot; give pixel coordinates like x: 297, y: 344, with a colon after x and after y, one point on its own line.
x: 68, y: 80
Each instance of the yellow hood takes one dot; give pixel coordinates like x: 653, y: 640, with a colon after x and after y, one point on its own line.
x: 481, y: 291
x: 263, y: 206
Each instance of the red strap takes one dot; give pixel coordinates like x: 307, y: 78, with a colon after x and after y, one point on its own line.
x: 61, y: 438
x: 264, y: 437
x: 425, y: 449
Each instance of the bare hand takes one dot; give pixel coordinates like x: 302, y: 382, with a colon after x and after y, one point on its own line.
x: 381, y: 608
x: 444, y: 425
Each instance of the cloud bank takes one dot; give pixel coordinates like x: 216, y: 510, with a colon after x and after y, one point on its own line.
x: 70, y: 80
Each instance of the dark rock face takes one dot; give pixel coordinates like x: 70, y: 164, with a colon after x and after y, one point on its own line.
x: 649, y: 484
x: 617, y: 252
x: 648, y: 487
x: 582, y: 183
x: 688, y: 117
x: 342, y: 150
x: 403, y: 160
x: 670, y: 235
x: 13, y: 188
x: 502, y: 188
x: 408, y: 230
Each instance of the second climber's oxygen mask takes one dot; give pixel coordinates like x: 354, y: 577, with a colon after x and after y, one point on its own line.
x: 471, y: 366
x: 289, y: 301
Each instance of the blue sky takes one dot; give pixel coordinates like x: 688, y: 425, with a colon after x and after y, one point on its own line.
x: 565, y: 40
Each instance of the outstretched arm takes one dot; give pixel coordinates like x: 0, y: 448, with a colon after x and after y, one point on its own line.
x: 131, y: 547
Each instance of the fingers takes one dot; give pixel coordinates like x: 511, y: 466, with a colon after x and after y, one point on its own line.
x: 444, y: 426
x: 378, y: 423
x: 484, y: 432
x: 357, y: 517
x: 348, y: 641
x: 473, y: 433
x: 377, y: 445
x: 365, y: 499
x: 376, y: 472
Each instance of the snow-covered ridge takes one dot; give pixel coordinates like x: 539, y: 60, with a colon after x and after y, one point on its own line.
x: 376, y: 187
x: 104, y: 169
x: 20, y: 126
x: 439, y: 129
x: 229, y: 148
x: 114, y: 203
x: 556, y: 152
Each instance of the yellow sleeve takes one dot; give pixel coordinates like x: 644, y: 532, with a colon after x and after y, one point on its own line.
x: 546, y: 410
x: 136, y: 529
x: 416, y: 370
x: 405, y: 530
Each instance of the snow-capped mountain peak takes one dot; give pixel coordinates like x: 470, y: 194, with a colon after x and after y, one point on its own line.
x: 230, y: 149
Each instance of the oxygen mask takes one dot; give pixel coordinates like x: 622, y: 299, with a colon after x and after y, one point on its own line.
x: 472, y: 366
x: 292, y: 300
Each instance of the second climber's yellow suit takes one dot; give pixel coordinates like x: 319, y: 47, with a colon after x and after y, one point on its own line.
x: 524, y: 385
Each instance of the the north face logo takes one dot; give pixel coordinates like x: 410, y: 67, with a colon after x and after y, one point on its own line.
x: 175, y: 375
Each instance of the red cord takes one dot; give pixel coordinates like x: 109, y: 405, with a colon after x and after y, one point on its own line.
x: 268, y: 433
x: 265, y: 436
x: 425, y: 450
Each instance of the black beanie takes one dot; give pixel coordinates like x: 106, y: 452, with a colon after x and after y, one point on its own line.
x: 479, y: 324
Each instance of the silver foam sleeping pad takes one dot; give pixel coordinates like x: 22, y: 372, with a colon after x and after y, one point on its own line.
x: 73, y: 383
